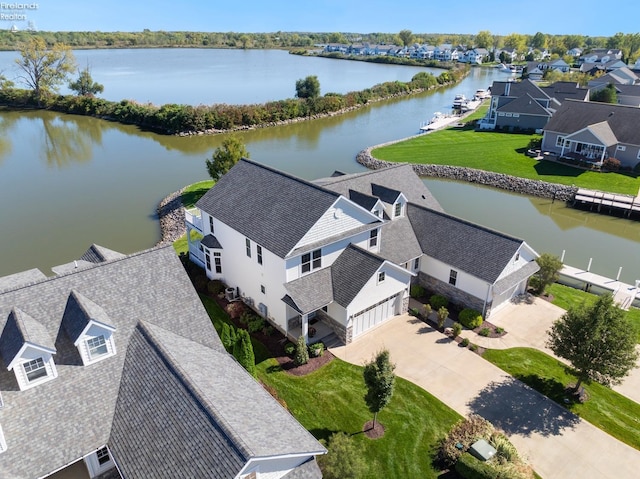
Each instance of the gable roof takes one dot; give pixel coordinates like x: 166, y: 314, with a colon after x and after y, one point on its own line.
x: 599, y: 133
x: 526, y: 105
x: 310, y: 292
x: 351, y: 271
x: 267, y: 206
x: 564, y: 90
x: 19, y: 329
x: 175, y: 342
x: 80, y: 311
x: 517, y: 89
x: 574, y: 116
x: 18, y: 280
x: 477, y: 250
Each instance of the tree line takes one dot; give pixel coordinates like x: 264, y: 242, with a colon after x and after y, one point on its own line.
x: 44, y: 69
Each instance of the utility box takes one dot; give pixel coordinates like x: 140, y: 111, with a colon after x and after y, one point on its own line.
x: 482, y: 450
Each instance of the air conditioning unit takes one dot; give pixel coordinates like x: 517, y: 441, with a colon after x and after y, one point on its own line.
x: 231, y: 294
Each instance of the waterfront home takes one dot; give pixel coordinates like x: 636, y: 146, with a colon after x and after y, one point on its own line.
x: 620, y: 76
x: 112, y: 368
x: 474, y: 56
x: 342, y: 252
x: 592, y: 132
x: 600, y: 55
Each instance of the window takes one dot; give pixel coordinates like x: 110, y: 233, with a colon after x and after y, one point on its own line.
x: 207, y: 259
x: 217, y: 259
x: 416, y: 263
x: 517, y: 257
x: 373, y: 238
x: 259, y: 253
x: 103, y: 456
x: 377, y: 213
x: 381, y: 276
x: 248, y: 244
x: 263, y: 290
x: 97, y: 346
x: 35, y: 369
x: 398, y: 210
x: 311, y: 260
x: 453, y: 277
x: 559, y: 141
x: 211, y: 223
x: 621, y: 147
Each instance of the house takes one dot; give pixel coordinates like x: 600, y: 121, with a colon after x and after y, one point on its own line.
x: 620, y: 76
x: 593, y: 68
x: 474, y: 56
x: 518, y: 106
x: 593, y: 132
x: 445, y: 53
x: 536, y: 70
x: 112, y: 369
x: 628, y: 95
x: 343, y: 251
x: 600, y: 55
x: 575, y: 52
x: 566, y: 90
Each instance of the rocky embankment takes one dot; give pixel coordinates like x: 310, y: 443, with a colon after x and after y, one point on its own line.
x: 497, y: 180
x: 171, y: 215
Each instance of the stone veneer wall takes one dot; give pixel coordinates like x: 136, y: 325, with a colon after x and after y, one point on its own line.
x: 345, y: 334
x: 453, y: 294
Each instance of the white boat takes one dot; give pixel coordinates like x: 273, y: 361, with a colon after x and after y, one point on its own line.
x: 481, y: 94
x: 438, y: 120
x: 459, y: 100
x: 470, y: 105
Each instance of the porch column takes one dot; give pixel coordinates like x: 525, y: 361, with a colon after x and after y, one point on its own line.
x: 604, y: 151
x: 304, y: 323
x: 188, y: 236
x: 562, y: 151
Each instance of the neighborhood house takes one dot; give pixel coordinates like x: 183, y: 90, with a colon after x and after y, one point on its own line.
x: 112, y: 369
x: 341, y: 252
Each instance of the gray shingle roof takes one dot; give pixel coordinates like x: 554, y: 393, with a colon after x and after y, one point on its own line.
x: 479, y: 251
x: 517, y: 89
x: 516, y: 277
x: 399, y: 177
x: 366, y: 201
x: 525, y: 105
x: 350, y: 271
x: 18, y: 280
x: 573, y: 116
x: 562, y: 91
x: 387, y: 195
x: 166, y: 376
x: 20, y: 328
x: 79, y: 312
x: 211, y: 242
x: 98, y: 254
x: 311, y: 292
x: 270, y: 207
x: 398, y: 242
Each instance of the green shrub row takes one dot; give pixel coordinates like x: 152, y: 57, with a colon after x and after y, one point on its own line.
x: 174, y: 118
x: 470, y: 318
x: 470, y: 467
x: 438, y: 301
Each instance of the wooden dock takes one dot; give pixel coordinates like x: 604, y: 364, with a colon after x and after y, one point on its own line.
x: 606, y: 202
x: 623, y: 294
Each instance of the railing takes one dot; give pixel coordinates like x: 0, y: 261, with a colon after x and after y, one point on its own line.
x: 196, y: 254
x: 194, y: 218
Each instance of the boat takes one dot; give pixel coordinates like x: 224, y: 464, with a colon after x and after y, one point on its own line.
x: 470, y: 105
x: 481, y: 94
x: 459, y: 100
x: 438, y: 120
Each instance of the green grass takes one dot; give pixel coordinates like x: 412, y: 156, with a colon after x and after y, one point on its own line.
x: 567, y: 297
x: 501, y: 153
x: 190, y: 196
x: 606, y: 409
x: 331, y: 400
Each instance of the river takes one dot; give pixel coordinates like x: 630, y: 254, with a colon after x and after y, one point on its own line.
x: 68, y: 181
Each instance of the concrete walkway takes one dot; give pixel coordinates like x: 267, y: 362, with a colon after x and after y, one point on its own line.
x: 557, y: 443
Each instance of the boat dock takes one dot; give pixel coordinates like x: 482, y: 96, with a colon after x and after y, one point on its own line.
x: 439, y: 122
x: 624, y: 295
x: 610, y: 202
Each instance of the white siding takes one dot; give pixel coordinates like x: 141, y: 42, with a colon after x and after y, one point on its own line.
x: 525, y: 254
x: 29, y: 354
x: 396, y: 281
x: 272, y: 468
x: 342, y: 217
x: 466, y: 282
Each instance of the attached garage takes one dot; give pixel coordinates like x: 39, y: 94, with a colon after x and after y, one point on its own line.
x: 375, y: 314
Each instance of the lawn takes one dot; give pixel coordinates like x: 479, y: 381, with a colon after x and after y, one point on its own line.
x: 331, y: 400
x: 501, y: 153
x: 190, y: 195
x: 567, y: 297
x: 606, y: 409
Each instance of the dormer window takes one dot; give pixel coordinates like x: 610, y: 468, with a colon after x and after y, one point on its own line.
x: 397, y: 213
x: 373, y: 238
x: 97, y: 347
x: 34, y: 369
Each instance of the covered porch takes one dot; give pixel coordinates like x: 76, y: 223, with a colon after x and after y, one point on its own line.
x: 318, y: 329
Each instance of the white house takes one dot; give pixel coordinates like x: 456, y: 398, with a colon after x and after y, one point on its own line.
x: 112, y: 369
x: 344, y: 250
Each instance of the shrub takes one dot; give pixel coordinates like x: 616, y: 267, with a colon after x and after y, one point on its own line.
x: 289, y: 348
x: 465, y: 342
x: 473, y: 347
x: 505, y: 451
x: 427, y: 309
x: 235, y: 309
x: 268, y: 330
x: 456, y: 329
x: 316, y: 349
x: 611, y: 164
x: 243, y: 352
x: 470, y: 467
x: 255, y: 324
x: 302, y: 355
x: 470, y: 318
x: 246, y: 317
x: 271, y: 390
x: 228, y: 336
x: 484, y: 332
x: 443, y: 314
x: 344, y: 459
x: 461, y: 436
x: 215, y: 287
x: 414, y: 312
x: 438, y: 301
x: 417, y: 291
x: 499, y: 330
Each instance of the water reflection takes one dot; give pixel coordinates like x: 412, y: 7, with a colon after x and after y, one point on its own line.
x: 6, y: 124
x: 68, y: 139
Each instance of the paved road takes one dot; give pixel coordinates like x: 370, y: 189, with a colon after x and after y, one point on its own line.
x: 557, y: 443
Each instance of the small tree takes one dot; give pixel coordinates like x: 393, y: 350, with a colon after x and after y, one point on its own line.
x: 597, y: 340
x: 308, y: 87
x: 548, y: 273
x: 225, y: 336
x: 227, y: 155
x: 243, y: 351
x: 380, y: 381
x: 343, y: 459
x: 443, y: 314
x: 302, y: 354
x: 84, y: 85
x: 427, y: 310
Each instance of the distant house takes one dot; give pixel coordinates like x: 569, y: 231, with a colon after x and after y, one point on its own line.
x: 446, y: 53
x: 566, y: 90
x: 474, y: 56
x: 536, y: 70
x: 620, y: 76
x: 593, y: 132
x: 112, y: 369
x: 575, y: 52
x: 593, y: 68
x: 628, y: 95
x: 600, y: 55
x: 341, y: 253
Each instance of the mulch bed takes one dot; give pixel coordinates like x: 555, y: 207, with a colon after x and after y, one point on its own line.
x: 493, y: 333
x: 314, y: 363
x: 371, y: 432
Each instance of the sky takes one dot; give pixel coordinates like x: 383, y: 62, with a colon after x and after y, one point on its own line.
x: 500, y: 17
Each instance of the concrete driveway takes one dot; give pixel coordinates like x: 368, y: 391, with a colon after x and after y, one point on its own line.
x: 557, y: 443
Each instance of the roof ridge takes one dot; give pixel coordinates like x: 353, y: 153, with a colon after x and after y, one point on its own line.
x: 360, y: 174
x: 171, y: 362
x: 79, y: 270
x: 467, y: 222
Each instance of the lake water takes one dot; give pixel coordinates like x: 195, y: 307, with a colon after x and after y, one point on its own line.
x: 68, y: 181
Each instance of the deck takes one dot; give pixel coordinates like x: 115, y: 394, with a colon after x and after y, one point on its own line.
x: 624, y: 295
x: 611, y: 202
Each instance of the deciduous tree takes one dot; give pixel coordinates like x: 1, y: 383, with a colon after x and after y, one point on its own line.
x: 484, y: 39
x: 44, y: 69
x: 379, y: 379
x: 598, y: 341
x: 406, y: 36
x: 84, y: 85
x: 308, y: 87
x: 548, y: 273
x: 227, y: 155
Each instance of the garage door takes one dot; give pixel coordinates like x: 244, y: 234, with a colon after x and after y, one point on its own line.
x: 373, y: 315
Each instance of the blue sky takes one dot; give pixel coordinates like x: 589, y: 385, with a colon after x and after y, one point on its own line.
x: 587, y: 17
